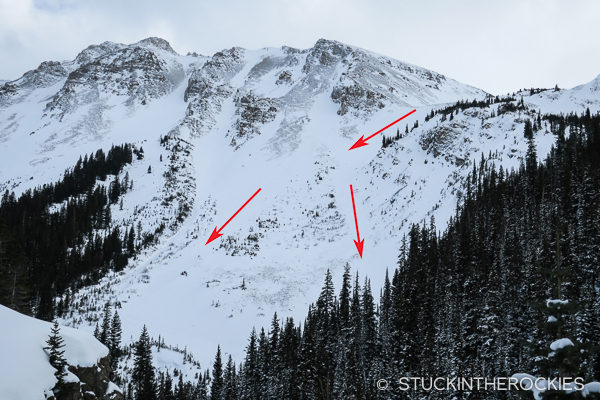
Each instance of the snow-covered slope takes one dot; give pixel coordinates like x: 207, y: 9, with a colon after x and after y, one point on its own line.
x: 25, y: 372
x: 580, y: 97
x: 281, y: 119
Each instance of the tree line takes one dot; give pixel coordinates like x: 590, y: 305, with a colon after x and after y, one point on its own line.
x: 59, y: 236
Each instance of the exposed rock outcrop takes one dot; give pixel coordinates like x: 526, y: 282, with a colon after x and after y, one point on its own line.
x: 91, y: 383
x: 252, y: 112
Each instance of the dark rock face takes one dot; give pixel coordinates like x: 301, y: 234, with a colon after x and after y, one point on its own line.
x: 209, y: 86
x: 93, y: 383
x: 325, y: 53
x: 356, y: 98
x: 253, y: 112
x: 437, y: 140
x: 7, y: 90
x: 284, y: 77
x: 444, y: 141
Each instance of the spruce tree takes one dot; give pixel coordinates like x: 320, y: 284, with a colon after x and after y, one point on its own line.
x: 105, y: 330
x: 55, y: 350
x: 230, y: 381
x: 143, y: 378
x: 168, y: 387
x: 97, y: 331
x: 131, y: 242
x: 345, y: 300
x: 216, y: 387
x: 528, y: 130
x: 115, y: 344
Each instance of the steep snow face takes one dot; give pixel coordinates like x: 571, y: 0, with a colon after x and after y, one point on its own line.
x: 25, y: 373
x: 281, y: 119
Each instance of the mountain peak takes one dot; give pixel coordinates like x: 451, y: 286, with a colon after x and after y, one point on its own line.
x: 94, y: 51
x: 333, y: 45
x: 156, y: 42
x: 330, y: 42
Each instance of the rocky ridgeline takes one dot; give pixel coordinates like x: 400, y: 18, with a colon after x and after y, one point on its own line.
x: 109, y: 74
x: 46, y: 74
x: 137, y: 73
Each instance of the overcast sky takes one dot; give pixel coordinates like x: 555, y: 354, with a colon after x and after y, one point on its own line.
x: 498, y: 46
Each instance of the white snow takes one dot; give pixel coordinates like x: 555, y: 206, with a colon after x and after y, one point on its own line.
x: 561, y: 344
x: 25, y: 373
x: 112, y: 388
x: 589, y: 388
x: 554, y: 302
x: 538, y: 385
x: 302, y: 219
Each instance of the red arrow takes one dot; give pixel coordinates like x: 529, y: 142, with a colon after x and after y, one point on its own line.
x: 359, y: 243
x: 217, y: 232
x: 363, y: 142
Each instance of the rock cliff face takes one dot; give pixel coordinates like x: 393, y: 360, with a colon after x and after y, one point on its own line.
x: 90, y: 383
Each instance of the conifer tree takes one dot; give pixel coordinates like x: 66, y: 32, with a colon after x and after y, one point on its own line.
x: 230, y: 385
x: 115, y: 343
x: 345, y: 300
x: 143, y: 377
x: 105, y: 330
x: 217, y: 386
x: 168, y: 387
x: 325, y: 303
x: 528, y: 130
x: 131, y: 242
x: 531, y: 158
x: 97, y: 331
x: 55, y: 350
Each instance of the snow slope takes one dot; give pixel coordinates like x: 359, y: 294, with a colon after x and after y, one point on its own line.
x: 25, y: 372
x: 578, y: 98
x: 281, y: 119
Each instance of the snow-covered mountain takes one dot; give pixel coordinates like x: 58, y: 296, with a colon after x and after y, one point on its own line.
x: 215, y: 129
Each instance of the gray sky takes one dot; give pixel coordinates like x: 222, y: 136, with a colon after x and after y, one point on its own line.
x: 498, y: 46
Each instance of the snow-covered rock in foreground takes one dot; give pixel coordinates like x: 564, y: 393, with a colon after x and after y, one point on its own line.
x: 561, y: 344
x: 25, y: 372
x: 537, y: 385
